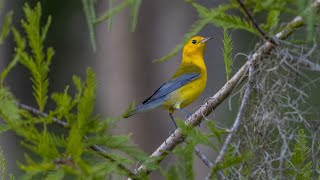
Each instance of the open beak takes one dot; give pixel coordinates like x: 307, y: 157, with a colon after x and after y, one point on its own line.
x: 206, y: 39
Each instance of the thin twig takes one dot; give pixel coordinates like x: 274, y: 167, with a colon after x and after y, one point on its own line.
x: 307, y: 63
x: 203, y: 158
x: 96, y: 148
x: 240, y: 114
x: 255, y: 24
x: 42, y: 114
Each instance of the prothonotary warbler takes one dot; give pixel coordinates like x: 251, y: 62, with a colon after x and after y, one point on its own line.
x: 185, y: 86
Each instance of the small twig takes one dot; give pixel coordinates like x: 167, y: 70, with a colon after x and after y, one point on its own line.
x: 308, y: 64
x: 305, y: 62
x: 96, y: 148
x: 255, y: 24
x: 203, y: 158
x: 314, y: 47
x: 43, y: 114
x: 67, y: 161
x: 240, y: 114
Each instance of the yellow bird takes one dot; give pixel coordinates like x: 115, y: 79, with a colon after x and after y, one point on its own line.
x: 185, y: 86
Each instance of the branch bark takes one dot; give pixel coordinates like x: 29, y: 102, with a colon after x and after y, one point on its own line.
x: 237, y: 122
x: 203, y: 158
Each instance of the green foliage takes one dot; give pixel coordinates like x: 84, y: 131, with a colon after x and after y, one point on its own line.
x: 214, y: 131
x: 195, y: 136
x: 227, y: 52
x: 8, y: 109
x: 195, y: 29
x: 67, y: 153
x: 3, y: 171
x: 299, y: 165
x: 233, y: 22
x: 183, y: 167
x: 92, y: 20
x: 268, y: 5
x: 2, y: 164
x: 1, y: 5
x: 111, y: 6
x: 6, y: 26
x: 4, y: 33
x: 186, y: 156
x: 89, y: 9
x: 219, y: 17
x: 135, y: 6
x: 129, y: 109
x: 11, y: 65
x: 38, y: 61
x: 272, y: 21
x: 3, y: 167
x: 231, y: 159
x: 312, y: 18
x: 216, y: 16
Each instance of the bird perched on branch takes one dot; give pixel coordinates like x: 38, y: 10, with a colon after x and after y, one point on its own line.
x: 185, y: 86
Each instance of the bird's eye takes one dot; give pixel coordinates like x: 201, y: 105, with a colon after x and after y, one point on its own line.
x: 194, y: 41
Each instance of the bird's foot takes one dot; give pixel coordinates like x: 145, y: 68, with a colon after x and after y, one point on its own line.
x: 187, y: 114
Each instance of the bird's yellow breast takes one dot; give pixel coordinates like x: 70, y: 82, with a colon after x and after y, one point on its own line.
x: 186, y: 94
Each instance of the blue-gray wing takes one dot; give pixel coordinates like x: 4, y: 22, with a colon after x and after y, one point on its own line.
x: 171, y: 86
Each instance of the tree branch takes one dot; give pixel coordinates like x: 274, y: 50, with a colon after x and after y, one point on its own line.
x: 237, y: 122
x: 203, y: 158
x: 42, y: 114
x: 96, y: 148
x: 255, y: 24
x: 304, y: 61
x: 195, y: 119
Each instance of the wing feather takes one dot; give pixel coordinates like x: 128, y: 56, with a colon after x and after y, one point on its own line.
x: 171, y: 86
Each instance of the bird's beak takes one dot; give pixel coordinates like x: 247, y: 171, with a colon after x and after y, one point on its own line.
x: 206, y: 39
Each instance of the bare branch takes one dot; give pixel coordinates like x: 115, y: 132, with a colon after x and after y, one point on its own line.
x: 304, y: 61
x: 203, y: 158
x: 237, y: 122
x: 43, y: 114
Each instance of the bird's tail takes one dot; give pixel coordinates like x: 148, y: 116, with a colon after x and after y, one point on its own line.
x: 139, y: 109
x: 142, y: 108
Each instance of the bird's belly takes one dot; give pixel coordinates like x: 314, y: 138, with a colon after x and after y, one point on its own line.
x: 185, y: 95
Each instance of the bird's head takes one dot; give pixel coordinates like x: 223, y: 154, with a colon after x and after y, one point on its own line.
x: 195, y: 46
